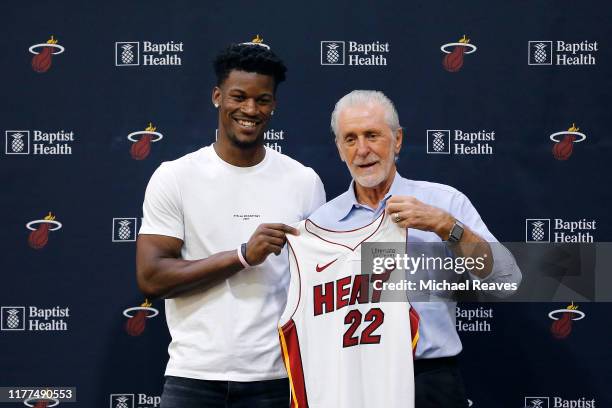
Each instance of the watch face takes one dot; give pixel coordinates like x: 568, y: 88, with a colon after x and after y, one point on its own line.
x: 456, y: 232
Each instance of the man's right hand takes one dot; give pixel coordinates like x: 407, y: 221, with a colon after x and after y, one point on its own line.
x: 267, y: 239
x: 161, y: 271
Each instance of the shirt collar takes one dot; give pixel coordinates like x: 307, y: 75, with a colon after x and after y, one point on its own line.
x: 347, y: 202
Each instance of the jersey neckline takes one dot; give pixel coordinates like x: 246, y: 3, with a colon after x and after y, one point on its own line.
x: 366, y: 232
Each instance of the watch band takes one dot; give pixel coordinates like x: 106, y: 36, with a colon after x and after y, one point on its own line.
x: 241, y: 250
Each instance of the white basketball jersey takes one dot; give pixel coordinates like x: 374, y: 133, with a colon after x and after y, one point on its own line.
x: 342, y: 346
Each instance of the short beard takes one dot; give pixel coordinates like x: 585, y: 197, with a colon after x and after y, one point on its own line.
x: 245, y: 145
x: 368, y: 181
x: 371, y: 182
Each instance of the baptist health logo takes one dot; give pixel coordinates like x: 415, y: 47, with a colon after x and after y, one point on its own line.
x: 537, y: 230
x: 332, y: 53
x: 473, y: 319
x: 558, y: 402
x: 134, y: 401
x: 464, y: 143
x: 37, y: 142
x: 33, y: 318
x: 122, y: 401
x: 536, y: 402
x: 356, y: 54
x: 561, y: 53
x: 13, y: 318
x: 130, y: 53
x: 125, y: 229
x: 438, y: 141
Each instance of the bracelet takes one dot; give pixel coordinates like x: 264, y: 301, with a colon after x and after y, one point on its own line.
x: 241, y: 250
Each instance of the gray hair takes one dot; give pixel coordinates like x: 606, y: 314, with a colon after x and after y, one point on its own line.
x: 365, y: 97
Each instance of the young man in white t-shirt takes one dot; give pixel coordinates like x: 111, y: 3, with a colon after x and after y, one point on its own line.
x: 211, y: 220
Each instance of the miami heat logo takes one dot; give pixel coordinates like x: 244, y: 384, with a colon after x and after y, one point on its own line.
x: 39, y: 236
x: 43, y: 54
x: 41, y: 403
x: 453, y: 60
x: 142, y: 146
x: 562, y: 149
x: 563, y: 320
x: 257, y: 40
x: 137, y: 318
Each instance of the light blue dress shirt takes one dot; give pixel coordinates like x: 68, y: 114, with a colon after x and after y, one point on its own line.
x: 438, y: 335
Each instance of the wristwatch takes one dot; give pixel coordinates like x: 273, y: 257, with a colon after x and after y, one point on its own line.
x: 456, y: 232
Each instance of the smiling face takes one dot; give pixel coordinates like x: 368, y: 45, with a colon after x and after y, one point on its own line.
x: 246, y: 101
x: 367, y: 144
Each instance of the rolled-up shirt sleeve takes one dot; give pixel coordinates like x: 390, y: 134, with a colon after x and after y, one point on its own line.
x: 505, y: 269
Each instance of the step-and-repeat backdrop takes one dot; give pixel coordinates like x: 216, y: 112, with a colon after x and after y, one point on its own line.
x: 509, y: 102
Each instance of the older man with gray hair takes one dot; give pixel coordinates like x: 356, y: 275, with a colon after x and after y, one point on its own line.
x: 369, y: 139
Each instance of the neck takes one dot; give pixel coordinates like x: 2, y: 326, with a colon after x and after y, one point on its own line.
x: 239, y: 156
x: 374, y: 195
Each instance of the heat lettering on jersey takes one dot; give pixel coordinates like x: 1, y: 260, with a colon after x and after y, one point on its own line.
x: 347, y: 291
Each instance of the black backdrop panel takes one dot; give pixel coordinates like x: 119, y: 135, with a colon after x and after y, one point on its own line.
x: 531, y: 69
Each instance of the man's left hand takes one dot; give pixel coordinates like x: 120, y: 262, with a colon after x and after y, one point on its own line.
x: 408, y: 212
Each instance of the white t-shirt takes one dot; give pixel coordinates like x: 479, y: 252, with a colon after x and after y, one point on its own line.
x: 228, y: 331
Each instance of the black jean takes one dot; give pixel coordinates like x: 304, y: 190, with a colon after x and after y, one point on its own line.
x: 438, y: 384
x: 182, y: 392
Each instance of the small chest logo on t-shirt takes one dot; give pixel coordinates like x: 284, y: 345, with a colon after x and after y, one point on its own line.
x: 246, y: 217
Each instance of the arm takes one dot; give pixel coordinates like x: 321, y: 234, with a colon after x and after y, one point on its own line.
x: 470, y: 245
x: 504, y: 268
x: 418, y: 215
x: 499, y: 263
x: 161, y: 273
